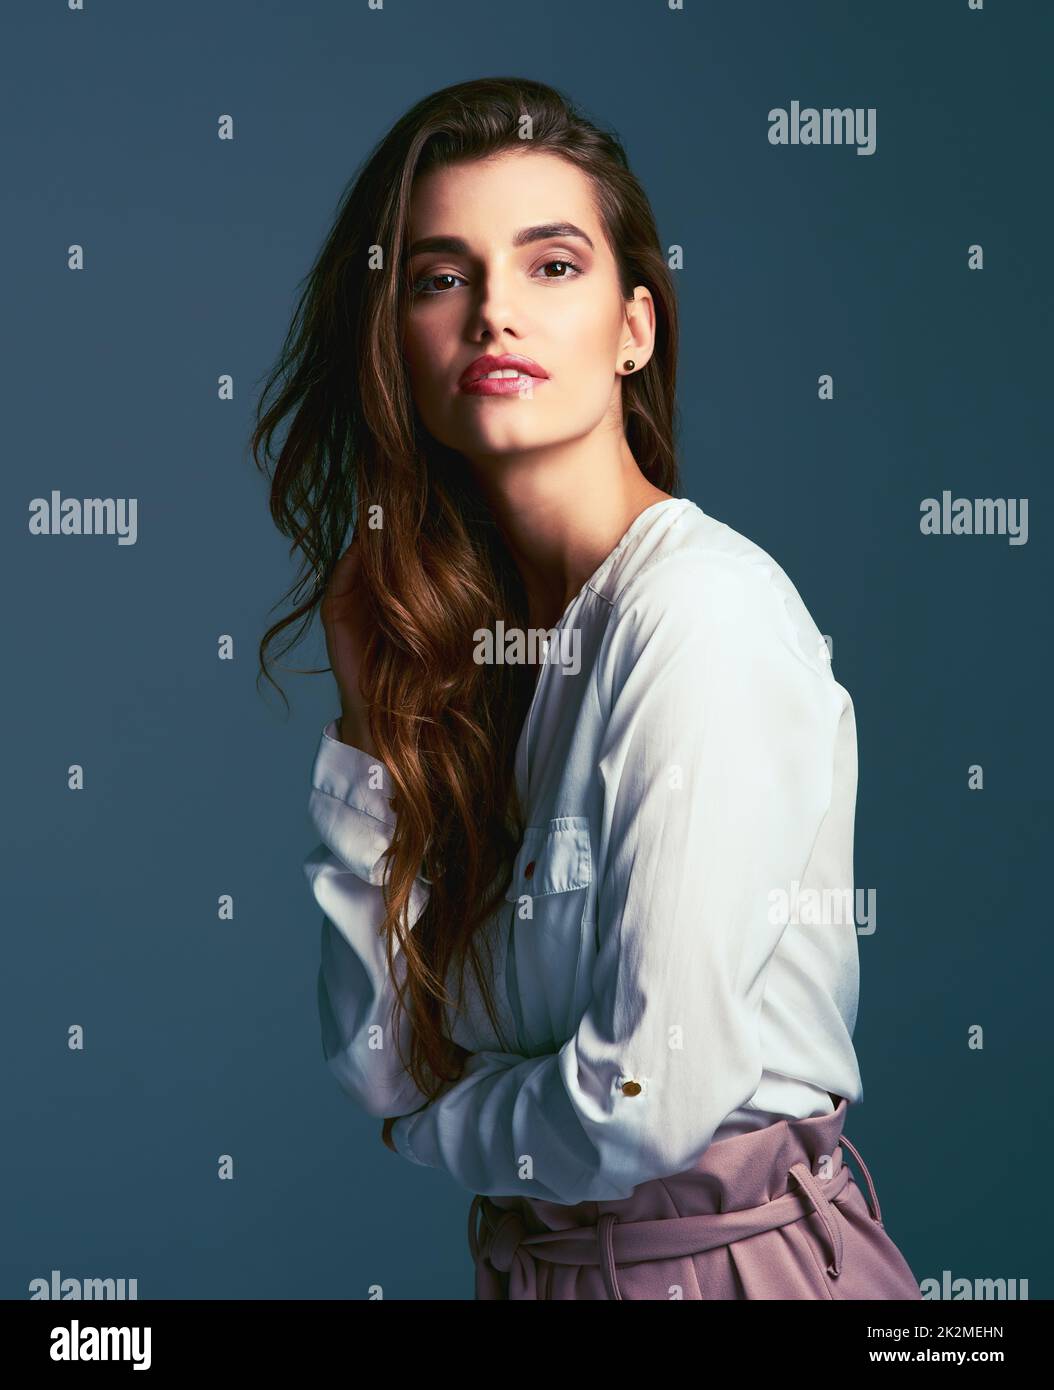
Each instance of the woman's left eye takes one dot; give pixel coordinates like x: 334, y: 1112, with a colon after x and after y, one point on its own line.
x: 420, y: 285
x: 562, y: 260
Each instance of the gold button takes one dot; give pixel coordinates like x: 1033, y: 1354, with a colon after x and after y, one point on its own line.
x: 529, y: 871
x: 631, y: 1088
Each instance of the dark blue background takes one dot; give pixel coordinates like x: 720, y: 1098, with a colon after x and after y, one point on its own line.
x: 202, y: 1036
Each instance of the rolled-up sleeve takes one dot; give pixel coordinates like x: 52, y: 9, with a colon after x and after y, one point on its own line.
x: 349, y: 807
x: 716, y: 765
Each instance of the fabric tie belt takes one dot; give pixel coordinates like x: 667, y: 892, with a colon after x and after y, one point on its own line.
x: 503, y: 1238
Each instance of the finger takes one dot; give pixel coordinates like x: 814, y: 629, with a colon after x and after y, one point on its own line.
x: 345, y: 573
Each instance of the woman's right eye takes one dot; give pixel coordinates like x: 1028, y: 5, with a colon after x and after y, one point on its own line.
x: 418, y: 285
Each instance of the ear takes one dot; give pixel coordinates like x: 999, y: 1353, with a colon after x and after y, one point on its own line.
x: 638, y: 340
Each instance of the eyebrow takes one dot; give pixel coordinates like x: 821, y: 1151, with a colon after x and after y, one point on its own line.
x: 545, y: 231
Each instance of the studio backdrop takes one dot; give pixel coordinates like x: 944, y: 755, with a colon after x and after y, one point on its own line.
x: 854, y: 203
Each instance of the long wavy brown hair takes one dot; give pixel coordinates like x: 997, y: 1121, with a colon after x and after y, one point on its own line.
x: 437, y: 570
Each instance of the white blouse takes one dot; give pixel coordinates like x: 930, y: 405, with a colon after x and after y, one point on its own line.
x: 676, y: 956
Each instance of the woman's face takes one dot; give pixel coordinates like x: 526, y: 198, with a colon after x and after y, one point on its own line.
x: 504, y: 288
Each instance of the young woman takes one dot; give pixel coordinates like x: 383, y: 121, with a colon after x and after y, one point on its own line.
x: 645, y: 1074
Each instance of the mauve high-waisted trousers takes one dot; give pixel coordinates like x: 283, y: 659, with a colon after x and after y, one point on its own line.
x: 772, y: 1214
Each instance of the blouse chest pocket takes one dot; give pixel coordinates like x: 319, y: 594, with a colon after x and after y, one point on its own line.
x: 550, y: 891
x: 554, y: 858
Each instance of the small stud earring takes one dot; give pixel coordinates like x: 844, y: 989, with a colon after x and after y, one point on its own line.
x: 629, y: 364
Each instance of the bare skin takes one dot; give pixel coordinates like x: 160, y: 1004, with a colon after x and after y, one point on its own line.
x: 344, y: 623
x: 552, y: 461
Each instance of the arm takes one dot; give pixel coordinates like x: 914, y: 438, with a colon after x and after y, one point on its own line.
x: 349, y: 808
x: 717, y: 764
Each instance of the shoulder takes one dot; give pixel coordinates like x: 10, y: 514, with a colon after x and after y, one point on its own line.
x: 702, y: 587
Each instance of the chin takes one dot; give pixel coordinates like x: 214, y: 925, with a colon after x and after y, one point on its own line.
x: 504, y: 441
x: 529, y: 431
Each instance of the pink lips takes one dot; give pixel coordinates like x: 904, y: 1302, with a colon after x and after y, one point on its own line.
x: 474, y: 380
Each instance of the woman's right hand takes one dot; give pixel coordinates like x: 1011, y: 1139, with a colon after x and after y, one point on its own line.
x: 344, y: 620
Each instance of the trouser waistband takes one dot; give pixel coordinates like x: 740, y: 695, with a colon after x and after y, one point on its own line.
x: 497, y: 1236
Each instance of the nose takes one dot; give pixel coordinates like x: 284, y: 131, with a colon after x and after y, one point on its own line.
x: 495, y: 308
